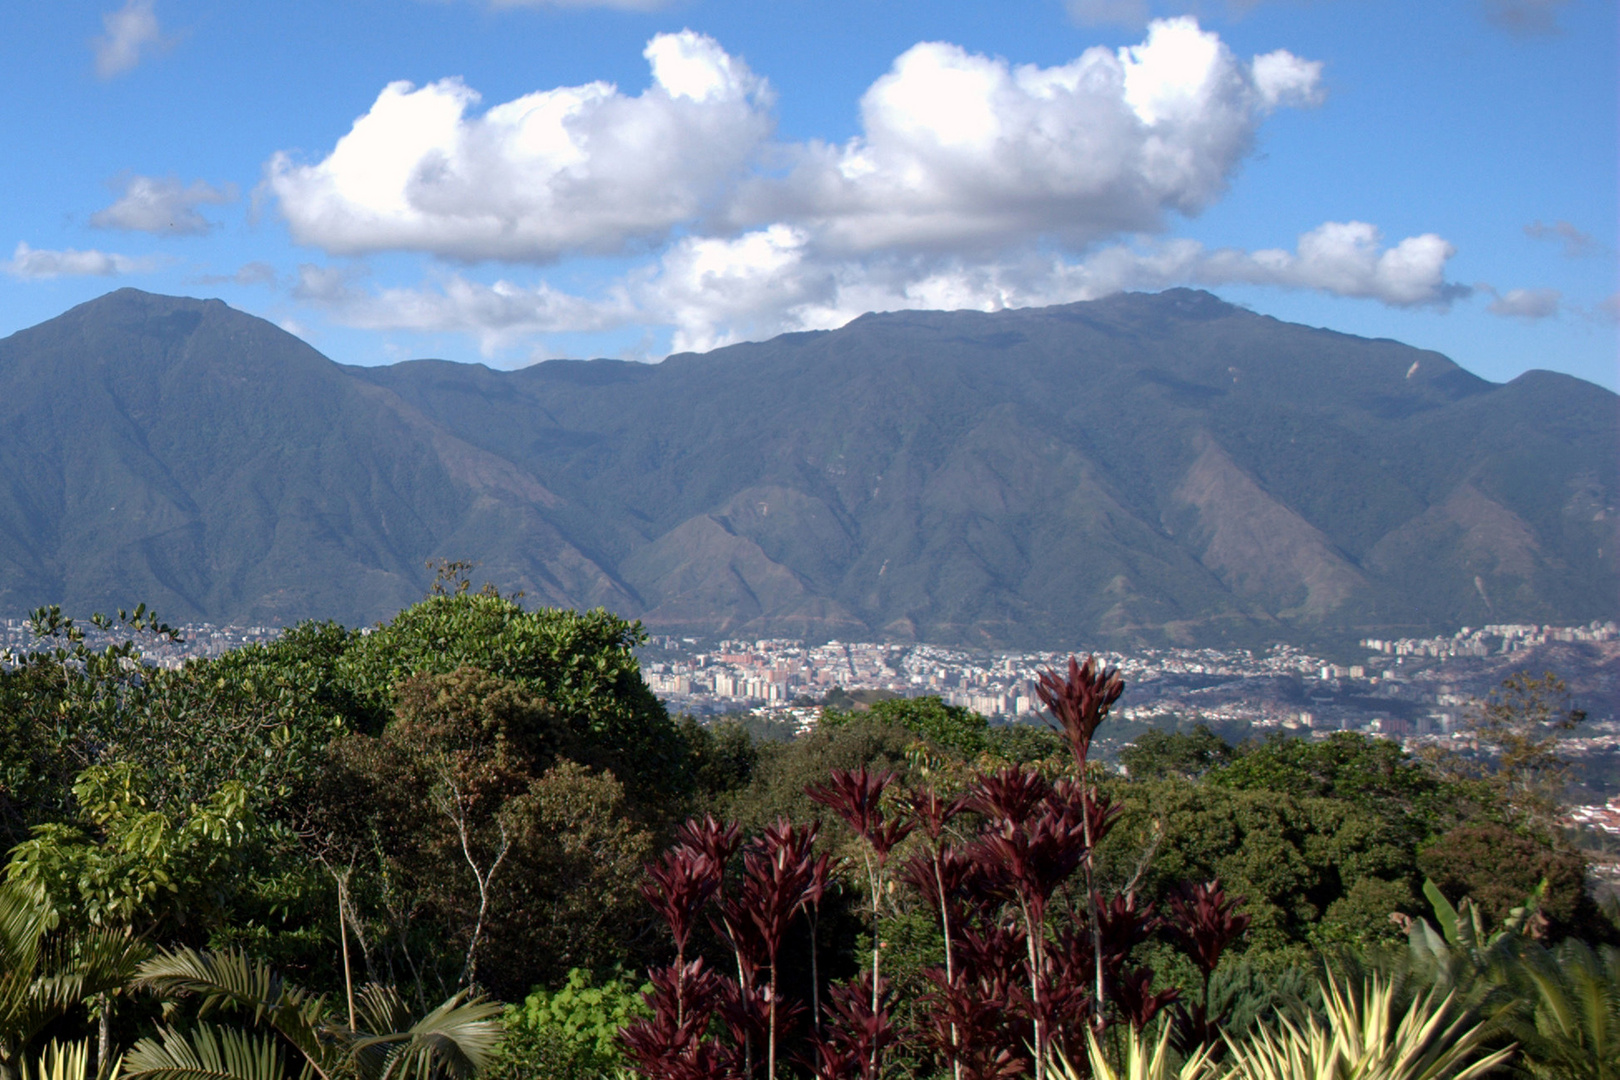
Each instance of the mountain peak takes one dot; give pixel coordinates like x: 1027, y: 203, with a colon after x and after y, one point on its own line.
x: 1142, y: 468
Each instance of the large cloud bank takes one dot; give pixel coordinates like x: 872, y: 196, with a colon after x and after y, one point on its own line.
x: 973, y: 183
x: 576, y: 169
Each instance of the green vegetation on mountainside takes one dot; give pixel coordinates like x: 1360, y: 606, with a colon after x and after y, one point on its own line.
x: 1140, y: 469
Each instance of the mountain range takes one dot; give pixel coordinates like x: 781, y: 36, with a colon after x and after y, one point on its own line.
x: 1147, y: 468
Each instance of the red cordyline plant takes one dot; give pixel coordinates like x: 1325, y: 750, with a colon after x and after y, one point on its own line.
x: 672, y: 1044
x: 857, y: 797
x: 781, y: 872
x: 1028, y: 965
x: 938, y: 875
x: 1205, y: 923
x: 1080, y: 702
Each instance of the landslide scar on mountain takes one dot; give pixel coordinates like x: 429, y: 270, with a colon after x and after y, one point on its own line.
x: 1259, y: 547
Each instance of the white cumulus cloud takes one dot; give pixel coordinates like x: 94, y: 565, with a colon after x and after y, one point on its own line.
x: 131, y: 31
x: 574, y: 169
x: 714, y: 291
x: 495, y: 315
x: 29, y: 263
x: 163, y: 205
x: 965, y: 150
x: 957, y: 151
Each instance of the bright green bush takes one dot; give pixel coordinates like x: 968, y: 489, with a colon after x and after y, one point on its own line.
x: 569, y: 1033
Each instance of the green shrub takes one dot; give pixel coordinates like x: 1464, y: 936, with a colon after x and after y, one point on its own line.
x: 570, y: 1033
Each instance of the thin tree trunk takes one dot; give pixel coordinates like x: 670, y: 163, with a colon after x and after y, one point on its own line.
x: 451, y: 804
x: 1091, y: 901
x: 343, y: 935
x: 950, y: 967
x: 103, y: 1034
x: 815, y: 970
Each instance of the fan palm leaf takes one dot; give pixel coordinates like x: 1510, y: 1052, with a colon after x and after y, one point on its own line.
x: 208, y: 1052
x: 1570, y: 1024
x: 453, y: 1042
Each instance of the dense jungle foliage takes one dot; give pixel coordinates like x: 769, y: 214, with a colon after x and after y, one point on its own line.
x: 340, y: 853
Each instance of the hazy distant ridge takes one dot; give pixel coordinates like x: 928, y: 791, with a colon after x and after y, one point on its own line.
x: 1144, y: 467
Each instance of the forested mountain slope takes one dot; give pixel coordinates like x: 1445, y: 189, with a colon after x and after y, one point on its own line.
x: 1141, y: 468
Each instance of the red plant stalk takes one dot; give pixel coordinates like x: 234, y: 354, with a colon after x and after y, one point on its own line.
x: 719, y: 842
x: 1031, y: 843
x: 857, y: 797
x: 1080, y: 701
x: 1205, y: 921
x: 779, y: 875
x: 933, y: 814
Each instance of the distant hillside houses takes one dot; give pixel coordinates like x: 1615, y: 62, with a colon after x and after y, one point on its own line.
x: 1497, y: 638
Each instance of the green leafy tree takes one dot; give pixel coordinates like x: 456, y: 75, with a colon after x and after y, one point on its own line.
x: 490, y: 858
x: 62, y: 704
x: 580, y: 663
x: 1317, y: 872
x: 1375, y: 775
x: 951, y: 727
x: 131, y: 869
x: 1187, y: 755
x: 125, y: 864
x: 261, y: 714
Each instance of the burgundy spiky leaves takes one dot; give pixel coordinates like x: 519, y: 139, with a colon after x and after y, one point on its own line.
x: 672, y: 1044
x: 1204, y: 921
x: 858, y: 1033
x: 1080, y: 699
x: 857, y: 797
x: 1136, y: 999
x: 678, y: 885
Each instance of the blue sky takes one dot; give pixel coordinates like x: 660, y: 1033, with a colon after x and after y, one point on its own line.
x: 505, y: 181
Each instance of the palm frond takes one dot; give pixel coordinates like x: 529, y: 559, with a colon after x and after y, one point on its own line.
x: 455, y: 1040
x: 207, y: 1052
x: 380, y: 1008
x: 24, y: 918
x: 1570, y: 1023
x: 229, y: 979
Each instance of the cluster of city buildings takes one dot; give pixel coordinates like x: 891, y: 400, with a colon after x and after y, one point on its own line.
x: 1499, y: 638
x: 1411, y: 689
x: 1407, y: 689
x: 197, y: 641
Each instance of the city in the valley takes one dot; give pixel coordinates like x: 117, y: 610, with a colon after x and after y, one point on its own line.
x: 1414, y: 690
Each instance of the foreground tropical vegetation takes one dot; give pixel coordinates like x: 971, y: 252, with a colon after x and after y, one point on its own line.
x: 338, y: 855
